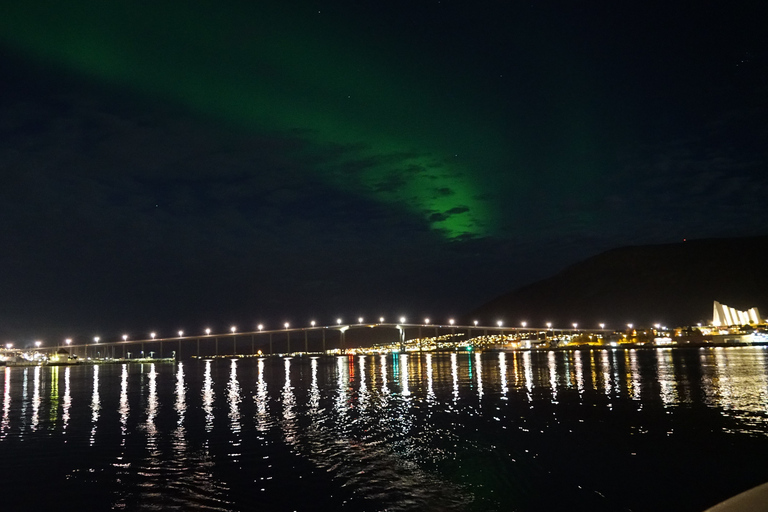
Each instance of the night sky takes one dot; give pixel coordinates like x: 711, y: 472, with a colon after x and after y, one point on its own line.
x: 175, y: 165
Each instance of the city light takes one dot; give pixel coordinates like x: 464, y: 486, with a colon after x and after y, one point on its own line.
x: 181, y: 333
x: 402, y: 319
x: 152, y: 335
x: 602, y: 326
x: 549, y: 325
x: 360, y: 320
x: 338, y: 321
x: 499, y: 323
x: 575, y: 325
x: 312, y: 323
x: 125, y: 337
x: 523, y: 324
x: 286, y: 325
x: 96, y: 339
x: 8, y: 345
x: 233, y: 329
x: 451, y: 321
x: 68, y: 340
x: 208, y: 332
x: 475, y: 323
x: 381, y: 320
x: 426, y: 321
x: 38, y: 343
x: 261, y: 327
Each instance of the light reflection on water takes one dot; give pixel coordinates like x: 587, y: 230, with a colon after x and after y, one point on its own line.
x: 410, y: 431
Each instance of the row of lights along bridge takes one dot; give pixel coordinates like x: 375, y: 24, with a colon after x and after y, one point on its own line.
x: 313, y: 325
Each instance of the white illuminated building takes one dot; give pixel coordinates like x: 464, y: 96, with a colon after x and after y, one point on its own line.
x: 725, y: 316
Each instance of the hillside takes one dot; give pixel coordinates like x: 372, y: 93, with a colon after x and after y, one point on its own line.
x: 673, y: 284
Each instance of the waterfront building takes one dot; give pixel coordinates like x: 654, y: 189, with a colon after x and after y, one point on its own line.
x: 724, y: 316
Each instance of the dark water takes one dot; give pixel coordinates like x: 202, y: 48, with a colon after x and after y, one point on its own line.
x: 642, y: 430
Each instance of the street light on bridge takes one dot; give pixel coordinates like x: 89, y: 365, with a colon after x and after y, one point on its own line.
x: 523, y: 324
x: 8, y: 345
x: 475, y: 323
x: 125, y: 337
x: 207, y: 332
x: 68, y: 341
x: 549, y: 325
x: 38, y: 343
x: 499, y: 323
x: 426, y: 321
x: 260, y: 327
x: 360, y: 320
x: 181, y: 333
x: 602, y: 326
x: 312, y: 323
x: 402, y: 319
x: 152, y: 335
x: 233, y: 329
x: 451, y: 321
x: 286, y: 325
x: 338, y: 321
x: 96, y: 339
x: 381, y: 320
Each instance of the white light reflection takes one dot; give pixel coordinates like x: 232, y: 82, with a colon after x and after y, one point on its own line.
x: 579, y: 369
x: 606, y: 367
x: 528, y: 371
x: 314, y: 390
x: 404, y: 375
x: 262, y: 400
x: 36, y: 399
x: 152, y: 409
x: 455, y: 376
x: 503, y: 374
x: 431, y: 399
x: 235, y: 397
x: 25, y: 377
x: 384, y: 387
x: 479, y: 372
x: 634, y: 371
x: 289, y: 405
x: 124, y: 406
x: 551, y: 365
x: 95, y: 404
x: 208, y: 396
x: 67, y: 401
x: 180, y: 438
x: 666, y: 375
x: 6, y: 422
x: 363, y: 391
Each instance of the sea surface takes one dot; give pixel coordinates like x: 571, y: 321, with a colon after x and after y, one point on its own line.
x: 597, y: 430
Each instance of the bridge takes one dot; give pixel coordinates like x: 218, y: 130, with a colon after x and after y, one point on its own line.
x: 311, y: 339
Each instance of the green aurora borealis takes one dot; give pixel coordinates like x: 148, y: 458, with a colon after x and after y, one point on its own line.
x: 365, y: 125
